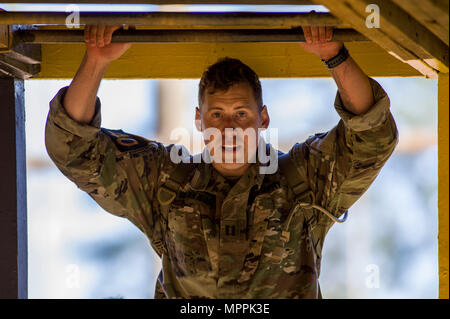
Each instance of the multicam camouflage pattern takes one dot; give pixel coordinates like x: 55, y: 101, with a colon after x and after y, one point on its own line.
x: 219, y: 239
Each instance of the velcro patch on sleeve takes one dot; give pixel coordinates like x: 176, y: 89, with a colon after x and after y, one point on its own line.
x: 126, y: 142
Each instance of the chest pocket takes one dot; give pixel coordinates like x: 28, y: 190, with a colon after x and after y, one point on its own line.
x: 185, y: 239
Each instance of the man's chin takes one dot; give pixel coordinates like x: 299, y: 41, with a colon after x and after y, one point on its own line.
x: 231, y: 169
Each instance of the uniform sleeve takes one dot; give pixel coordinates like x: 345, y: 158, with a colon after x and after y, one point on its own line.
x: 120, y: 179
x: 342, y: 163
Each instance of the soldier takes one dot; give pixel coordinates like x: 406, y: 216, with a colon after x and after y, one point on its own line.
x: 223, y: 229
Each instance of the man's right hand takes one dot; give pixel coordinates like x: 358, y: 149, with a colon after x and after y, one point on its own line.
x: 98, y: 43
x: 79, y: 100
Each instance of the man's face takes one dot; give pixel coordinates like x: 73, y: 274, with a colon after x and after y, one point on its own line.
x: 235, y: 116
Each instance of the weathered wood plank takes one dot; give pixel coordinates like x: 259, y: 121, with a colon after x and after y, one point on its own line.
x: 13, y: 203
x: 4, y: 37
x: 410, y: 34
x: 433, y: 14
x: 17, y: 59
x: 188, y: 36
x: 176, y: 19
x: 395, y: 38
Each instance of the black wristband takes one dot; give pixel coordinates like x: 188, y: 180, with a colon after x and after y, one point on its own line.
x: 338, y: 59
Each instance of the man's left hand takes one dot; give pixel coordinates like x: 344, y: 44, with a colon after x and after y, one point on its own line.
x: 318, y: 41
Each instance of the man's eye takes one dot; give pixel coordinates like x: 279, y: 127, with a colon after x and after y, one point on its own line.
x: 242, y: 114
x: 216, y: 115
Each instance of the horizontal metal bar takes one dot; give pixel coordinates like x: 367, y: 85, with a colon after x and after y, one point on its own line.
x: 168, y: 19
x: 165, y: 36
x: 266, y: 2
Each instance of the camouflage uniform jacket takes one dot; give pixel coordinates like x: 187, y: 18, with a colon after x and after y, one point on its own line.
x: 217, y: 239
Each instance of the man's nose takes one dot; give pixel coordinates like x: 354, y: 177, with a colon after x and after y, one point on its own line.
x: 228, y: 129
x: 228, y: 122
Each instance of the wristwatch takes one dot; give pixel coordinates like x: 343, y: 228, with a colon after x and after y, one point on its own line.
x: 338, y: 59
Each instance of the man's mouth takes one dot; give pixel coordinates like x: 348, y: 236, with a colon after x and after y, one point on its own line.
x: 229, y: 148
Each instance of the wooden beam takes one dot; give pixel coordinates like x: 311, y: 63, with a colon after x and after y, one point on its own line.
x: 5, y: 37
x: 176, y: 19
x: 17, y: 59
x: 13, y: 202
x: 399, y: 34
x: 162, y: 2
x: 173, y: 36
x: 443, y: 188
x: 433, y: 14
x: 189, y: 60
x: 412, y: 35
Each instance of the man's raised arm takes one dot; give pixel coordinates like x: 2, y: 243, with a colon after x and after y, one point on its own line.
x: 353, y: 84
x: 79, y: 100
x: 342, y: 163
x: 119, y: 170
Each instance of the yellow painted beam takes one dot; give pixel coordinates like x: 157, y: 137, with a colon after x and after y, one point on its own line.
x: 189, y: 60
x: 431, y: 13
x: 443, y: 180
x: 398, y: 33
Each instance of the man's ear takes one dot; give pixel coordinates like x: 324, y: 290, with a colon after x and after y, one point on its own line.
x: 198, y: 119
x: 265, y: 119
